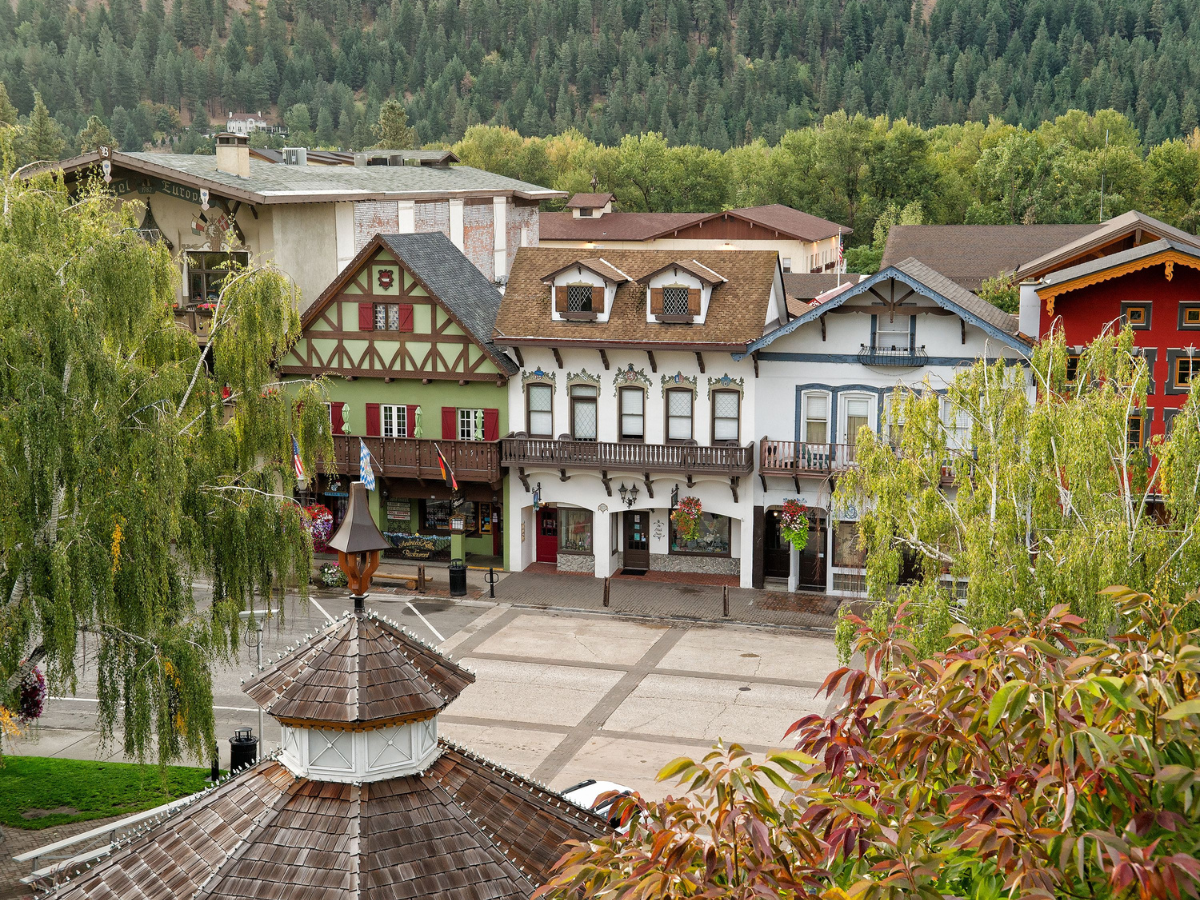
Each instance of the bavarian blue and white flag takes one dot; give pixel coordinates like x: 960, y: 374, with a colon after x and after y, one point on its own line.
x: 365, y: 473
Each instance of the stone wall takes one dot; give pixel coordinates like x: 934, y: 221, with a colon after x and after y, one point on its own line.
x: 704, y: 565
x: 372, y: 217
x: 576, y: 562
x: 479, y: 237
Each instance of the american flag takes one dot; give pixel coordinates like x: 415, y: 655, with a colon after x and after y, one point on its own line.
x: 297, y: 465
x: 365, y: 473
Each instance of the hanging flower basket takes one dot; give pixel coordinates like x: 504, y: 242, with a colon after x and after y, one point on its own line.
x: 319, y: 521
x: 33, y: 696
x: 331, y: 576
x: 793, y: 523
x: 686, y: 518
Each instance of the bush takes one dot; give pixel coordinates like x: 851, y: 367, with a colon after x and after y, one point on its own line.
x: 1026, y: 760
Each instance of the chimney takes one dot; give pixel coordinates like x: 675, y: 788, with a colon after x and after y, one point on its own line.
x: 233, y: 154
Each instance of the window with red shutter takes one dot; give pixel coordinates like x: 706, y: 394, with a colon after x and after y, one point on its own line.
x: 491, y: 424
x: 406, y: 317
x: 337, y: 417
x: 366, y: 317
x: 410, y: 421
x: 372, y: 415
x: 449, y: 423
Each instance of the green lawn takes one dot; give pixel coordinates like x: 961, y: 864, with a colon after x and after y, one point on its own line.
x: 94, y: 790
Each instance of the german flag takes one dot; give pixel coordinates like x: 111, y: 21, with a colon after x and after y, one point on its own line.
x: 447, y: 472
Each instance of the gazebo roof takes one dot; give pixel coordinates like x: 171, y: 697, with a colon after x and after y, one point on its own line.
x: 463, y: 827
x: 359, y: 672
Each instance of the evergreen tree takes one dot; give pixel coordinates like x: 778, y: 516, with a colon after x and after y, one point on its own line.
x: 8, y: 112
x: 95, y: 134
x: 42, y: 138
x: 392, y: 131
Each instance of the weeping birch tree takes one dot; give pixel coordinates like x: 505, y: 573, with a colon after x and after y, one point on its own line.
x: 134, y: 462
x: 1052, y: 495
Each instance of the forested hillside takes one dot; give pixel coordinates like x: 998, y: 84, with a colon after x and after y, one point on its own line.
x: 716, y: 73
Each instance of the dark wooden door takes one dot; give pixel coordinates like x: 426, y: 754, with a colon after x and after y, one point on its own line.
x: 777, y: 553
x: 637, y: 540
x: 812, y: 557
x: 547, y: 535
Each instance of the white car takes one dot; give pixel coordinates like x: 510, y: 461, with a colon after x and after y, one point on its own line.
x: 589, y: 794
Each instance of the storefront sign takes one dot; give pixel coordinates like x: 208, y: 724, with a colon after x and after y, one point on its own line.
x: 142, y: 184
x: 399, y: 510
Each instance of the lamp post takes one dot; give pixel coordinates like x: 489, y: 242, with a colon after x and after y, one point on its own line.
x: 358, y: 542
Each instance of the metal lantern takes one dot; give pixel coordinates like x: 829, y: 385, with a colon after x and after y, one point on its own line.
x: 358, y: 542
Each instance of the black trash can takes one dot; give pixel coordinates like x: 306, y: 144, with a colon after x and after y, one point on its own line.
x: 243, y: 749
x: 458, y: 578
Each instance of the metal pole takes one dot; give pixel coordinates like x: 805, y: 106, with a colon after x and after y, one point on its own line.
x: 725, y: 601
x: 261, y: 734
x: 606, y: 599
x: 492, y: 582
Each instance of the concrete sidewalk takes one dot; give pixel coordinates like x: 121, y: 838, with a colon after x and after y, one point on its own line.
x: 632, y: 596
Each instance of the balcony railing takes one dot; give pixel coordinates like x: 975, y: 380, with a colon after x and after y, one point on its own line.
x: 899, y: 357
x: 417, y: 457
x: 608, y: 456
x: 197, y: 321
x: 791, y: 458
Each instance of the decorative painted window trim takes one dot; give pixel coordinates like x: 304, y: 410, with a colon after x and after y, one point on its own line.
x: 538, y: 376
x: 583, y: 377
x: 630, y: 377
x: 726, y: 383
x: 678, y: 380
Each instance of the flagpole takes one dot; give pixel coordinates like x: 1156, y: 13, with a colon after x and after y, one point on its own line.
x: 839, y: 257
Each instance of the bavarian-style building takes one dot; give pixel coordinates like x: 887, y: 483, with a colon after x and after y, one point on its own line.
x: 403, y: 335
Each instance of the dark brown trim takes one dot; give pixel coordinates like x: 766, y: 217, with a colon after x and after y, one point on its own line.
x: 572, y: 400
x: 352, y: 372
x: 645, y: 345
x: 667, y: 439
x: 712, y: 434
x: 529, y: 412
x: 621, y: 415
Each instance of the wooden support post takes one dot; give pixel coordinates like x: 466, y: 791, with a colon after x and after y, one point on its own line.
x: 421, y: 579
x: 606, y: 594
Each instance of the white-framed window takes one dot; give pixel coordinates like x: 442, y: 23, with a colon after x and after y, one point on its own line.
x: 787, y: 263
x: 579, y: 298
x: 727, y: 407
x: 394, y: 420
x: 541, y: 405
x: 679, y: 415
x: 893, y: 424
x: 892, y: 333
x: 856, y: 414
x: 957, y: 424
x: 470, y: 424
x: 675, y: 301
x: 387, y: 317
x: 816, y: 418
x: 633, y: 414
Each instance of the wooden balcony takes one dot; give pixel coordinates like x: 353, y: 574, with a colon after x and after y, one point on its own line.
x: 687, y: 460
x: 791, y: 459
x: 477, y: 461
x: 197, y: 321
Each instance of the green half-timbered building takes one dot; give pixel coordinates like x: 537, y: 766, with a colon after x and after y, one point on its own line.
x: 404, y: 336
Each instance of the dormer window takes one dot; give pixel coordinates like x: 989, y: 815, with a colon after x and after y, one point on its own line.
x: 675, y: 301
x: 579, y: 298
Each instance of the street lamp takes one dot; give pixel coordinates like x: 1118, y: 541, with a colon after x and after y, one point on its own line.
x: 358, y: 542
x: 628, y: 495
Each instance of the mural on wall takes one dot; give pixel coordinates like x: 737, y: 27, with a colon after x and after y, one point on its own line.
x: 725, y: 383
x: 583, y: 377
x: 538, y: 375
x: 630, y: 377
x: 678, y: 380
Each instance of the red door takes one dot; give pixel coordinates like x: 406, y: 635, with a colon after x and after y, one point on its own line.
x: 547, y: 535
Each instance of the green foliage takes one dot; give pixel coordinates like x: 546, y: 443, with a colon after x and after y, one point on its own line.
x: 1023, y: 760
x: 95, y: 134
x: 1003, y: 292
x: 1050, y: 502
x: 126, y: 474
x: 96, y: 790
x: 392, y: 131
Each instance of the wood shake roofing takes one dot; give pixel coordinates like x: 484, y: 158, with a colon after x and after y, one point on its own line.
x: 358, y: 671
x: 736, y: 313
x: 464, y: 828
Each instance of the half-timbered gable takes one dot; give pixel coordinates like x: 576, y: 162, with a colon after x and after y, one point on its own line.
x: 408, y: 306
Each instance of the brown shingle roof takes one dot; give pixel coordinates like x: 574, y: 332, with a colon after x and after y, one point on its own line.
x: 969, y: 254
x: 1126, y: 224
x: 736, y: 313
x: 360, y: 670
x: 601, y: 267
x: 809, y: 285
x: 798, y: 224
x: 589, y: 201
x: 463, y: 828
x: 617, y: 226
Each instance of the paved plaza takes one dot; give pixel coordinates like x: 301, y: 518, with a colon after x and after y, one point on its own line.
x: 559, y: 695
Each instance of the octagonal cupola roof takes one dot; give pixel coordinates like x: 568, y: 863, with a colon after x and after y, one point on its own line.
x: 361, y: 672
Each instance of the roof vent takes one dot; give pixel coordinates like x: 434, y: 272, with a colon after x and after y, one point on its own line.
x: 295, y: 156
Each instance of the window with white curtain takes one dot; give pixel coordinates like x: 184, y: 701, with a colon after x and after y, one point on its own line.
x: 726, y: 415
x: 892, y: 333
x: 858, y: 413
x: 816, y: 418
x: 679, y: 415
x: 541, y: 418
x: 633, y: 414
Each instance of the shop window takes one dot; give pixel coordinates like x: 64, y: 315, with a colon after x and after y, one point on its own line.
x: 633, y: 414
x: 583, y: 412
x: 846, y: 553
x: 816, y: 418
x: 540, y: 418
x: 470, y: 424
x: 679, y: 415
x: 574, y: 530
x: 675, y: 301
x: 394, y: 421
x: 713, y: 539
x: 726, y: 416
x: 208, y: 271
x: 435, y: 516
x: 579, y: 298
x: 1187, y: 369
